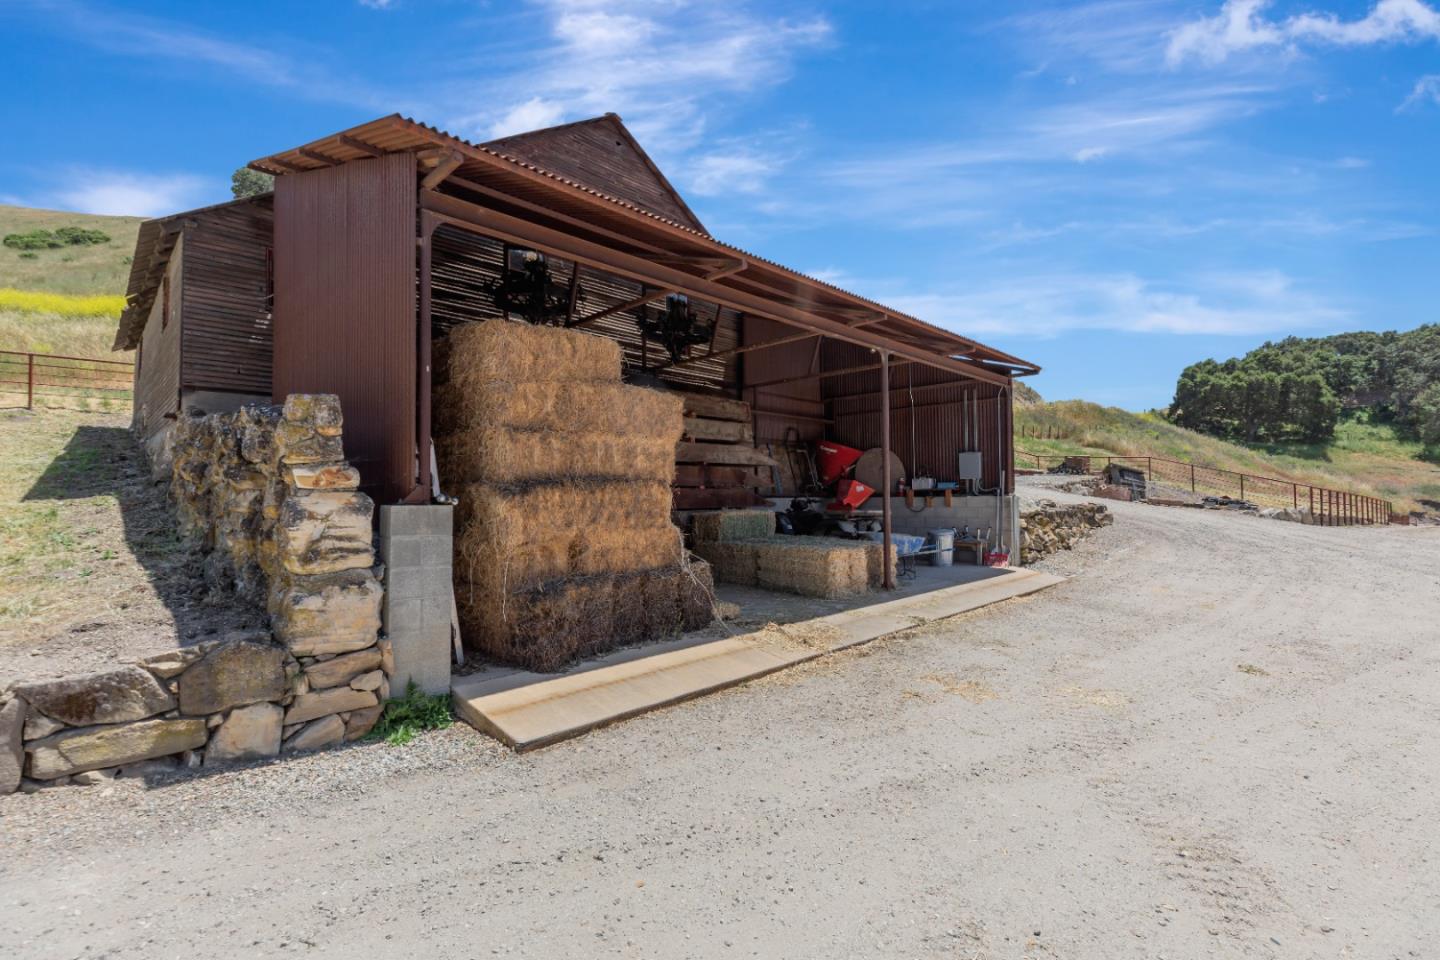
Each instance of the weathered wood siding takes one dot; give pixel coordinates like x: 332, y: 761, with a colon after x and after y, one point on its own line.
x: 157, y: 369
x: 227, y: 331
x: 345, y: 319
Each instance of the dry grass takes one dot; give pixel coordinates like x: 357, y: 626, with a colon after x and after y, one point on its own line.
x: 513, y: 352
x: 565, y: 408
x: 84, y: 270
x: 498, y: 455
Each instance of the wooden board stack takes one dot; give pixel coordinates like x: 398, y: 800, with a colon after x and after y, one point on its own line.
x: 716, y: 463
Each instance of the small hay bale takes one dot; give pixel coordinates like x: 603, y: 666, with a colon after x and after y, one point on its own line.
x: 505, y: 350
x: 729, y: 562
x: 563, y: 407
x: 875, y: 563
x: 663, y: 617
x: 504, y: 456
x: 732, y: 525
x: 812, y: 566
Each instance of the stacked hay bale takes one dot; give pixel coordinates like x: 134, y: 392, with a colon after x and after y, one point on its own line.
x: 742, y: 548
x: 564, y: 545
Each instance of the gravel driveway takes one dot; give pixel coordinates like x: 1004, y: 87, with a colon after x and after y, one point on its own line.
x: 1218, y: 739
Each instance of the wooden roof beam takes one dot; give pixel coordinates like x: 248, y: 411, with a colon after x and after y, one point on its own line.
x: 319, y: 157
x: 355, y: 143
x: 639, y: 301
x: 443, y: 166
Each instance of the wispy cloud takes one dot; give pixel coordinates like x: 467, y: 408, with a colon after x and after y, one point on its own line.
x: 662, y: 64
x: 1241, y: 25
x: 160, y: 40
x: 1042, y: 305
x: 122, y: 193
x: 1427, y: 88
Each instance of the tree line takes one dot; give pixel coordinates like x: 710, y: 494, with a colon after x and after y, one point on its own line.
x: 1297, y: 388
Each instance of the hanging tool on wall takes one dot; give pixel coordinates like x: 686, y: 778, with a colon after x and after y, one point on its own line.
x: 676, y: 328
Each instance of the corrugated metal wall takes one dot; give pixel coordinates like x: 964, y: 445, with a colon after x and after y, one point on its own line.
x: 157, y: 370
x: 345, y: 315
x: 228, y: 344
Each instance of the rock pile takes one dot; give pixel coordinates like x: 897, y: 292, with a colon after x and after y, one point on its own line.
x: 1049, y: 527
x: 268, y: 493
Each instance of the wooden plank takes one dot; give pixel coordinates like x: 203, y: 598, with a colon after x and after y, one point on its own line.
x: 696, y: 498
x: 710, y: 475
x: 736, y: 453
x: 716, y: 408
x: 725, y: 431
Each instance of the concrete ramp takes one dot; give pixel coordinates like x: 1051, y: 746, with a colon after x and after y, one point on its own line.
x: 529, y: 710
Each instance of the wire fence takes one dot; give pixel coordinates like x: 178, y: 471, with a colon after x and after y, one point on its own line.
x: 1318, y: 505
x: 57, y: 381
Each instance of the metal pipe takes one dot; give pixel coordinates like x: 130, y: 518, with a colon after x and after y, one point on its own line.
x: 886, y: 479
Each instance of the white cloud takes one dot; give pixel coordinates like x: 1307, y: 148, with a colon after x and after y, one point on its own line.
x: 1086, y: 154
x: 662, y: 64
x: 136, y: 195
x: 1241, y: 25
x: 378, y: 4
x: 533, y: 114
x: 739, y: 170
x: 1426, y: 88
x: 1227, y: 303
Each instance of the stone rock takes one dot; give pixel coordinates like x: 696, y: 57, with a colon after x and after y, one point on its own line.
x: 362, y: 722
x: 247, y: 734
x: 214, y: 720
x: 172, y: 663
x: 233, y: 674
x: 289, y: 730
x: 91, y: 778
x: 92, y: 748
x: 12, y: 746
x: 368, y: 681
x: 112, y: 696
x: 333, y: 700
x: 37, y: 726
x: 149, y: 768
x: 387, y: 656
x: 325, y: 532
x: 384, y: 691
x: 342, y: 670
x: 320, y: 411
x: 322, y: 476
x: 299, y: 443
x: 317, y: 734
x: 190, y: 759
x: 339, y: 613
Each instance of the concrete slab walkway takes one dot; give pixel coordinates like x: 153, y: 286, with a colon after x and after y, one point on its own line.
x: 529, y: 710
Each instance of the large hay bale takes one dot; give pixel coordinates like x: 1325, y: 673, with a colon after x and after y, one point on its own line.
x: 503, y: 456
x: 563, y: 407
x: 505, y: 350
x: 696, y: 587
x: 541, y: 628
x: 731, y: 525
x: 517, y: 538
x: 875, y: 562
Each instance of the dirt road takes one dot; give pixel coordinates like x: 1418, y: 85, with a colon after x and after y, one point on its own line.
x: 1218, y: 739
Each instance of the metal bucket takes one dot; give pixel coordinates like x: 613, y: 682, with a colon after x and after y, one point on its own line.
x: 944, y: 554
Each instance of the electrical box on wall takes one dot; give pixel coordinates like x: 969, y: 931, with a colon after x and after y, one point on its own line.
x: 970, y: 466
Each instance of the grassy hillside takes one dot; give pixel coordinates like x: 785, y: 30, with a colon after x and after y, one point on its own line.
x: 64, y: 324
x: 99, y: 269
x: 1364, y: 457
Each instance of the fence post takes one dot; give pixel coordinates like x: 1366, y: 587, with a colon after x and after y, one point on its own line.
x: 1149, y: 470
x: 1192, y: 478
x: 1242, y: 486
x: 30, y: 381
x: 1295, y: 495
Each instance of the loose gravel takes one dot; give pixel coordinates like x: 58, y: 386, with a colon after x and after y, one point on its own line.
x: 1217, y: 739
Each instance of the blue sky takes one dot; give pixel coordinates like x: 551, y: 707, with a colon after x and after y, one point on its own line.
x: 1112, y: 189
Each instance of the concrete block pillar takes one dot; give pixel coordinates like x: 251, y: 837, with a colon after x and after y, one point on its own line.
x: 415, y: 544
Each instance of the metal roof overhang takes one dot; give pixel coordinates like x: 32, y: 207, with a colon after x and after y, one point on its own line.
x: 525, y: 204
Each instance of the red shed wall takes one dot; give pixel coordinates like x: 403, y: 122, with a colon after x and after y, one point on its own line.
x: 345, y: 319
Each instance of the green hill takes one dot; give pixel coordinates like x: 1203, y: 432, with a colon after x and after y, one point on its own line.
x: 69, y: 270
x: 1366, y: 457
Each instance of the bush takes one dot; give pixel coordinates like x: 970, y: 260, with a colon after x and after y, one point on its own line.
x: 48, y: 240
x: 413, y: 713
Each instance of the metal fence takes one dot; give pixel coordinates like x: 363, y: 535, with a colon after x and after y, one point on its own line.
x: 48, y: 377
x: 1319, y: 505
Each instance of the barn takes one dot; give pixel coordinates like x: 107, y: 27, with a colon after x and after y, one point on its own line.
x: 381, y: 241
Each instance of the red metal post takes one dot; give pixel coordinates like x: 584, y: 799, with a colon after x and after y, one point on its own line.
x: 886, y: 479
x: 30, y: 379
x: 1295, y: 495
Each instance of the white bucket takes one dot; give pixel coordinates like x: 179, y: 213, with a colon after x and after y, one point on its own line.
x: 944, y: 554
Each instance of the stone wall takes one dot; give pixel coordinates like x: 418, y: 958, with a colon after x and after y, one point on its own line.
x: 267, y: 491
x: 1048, y: 527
